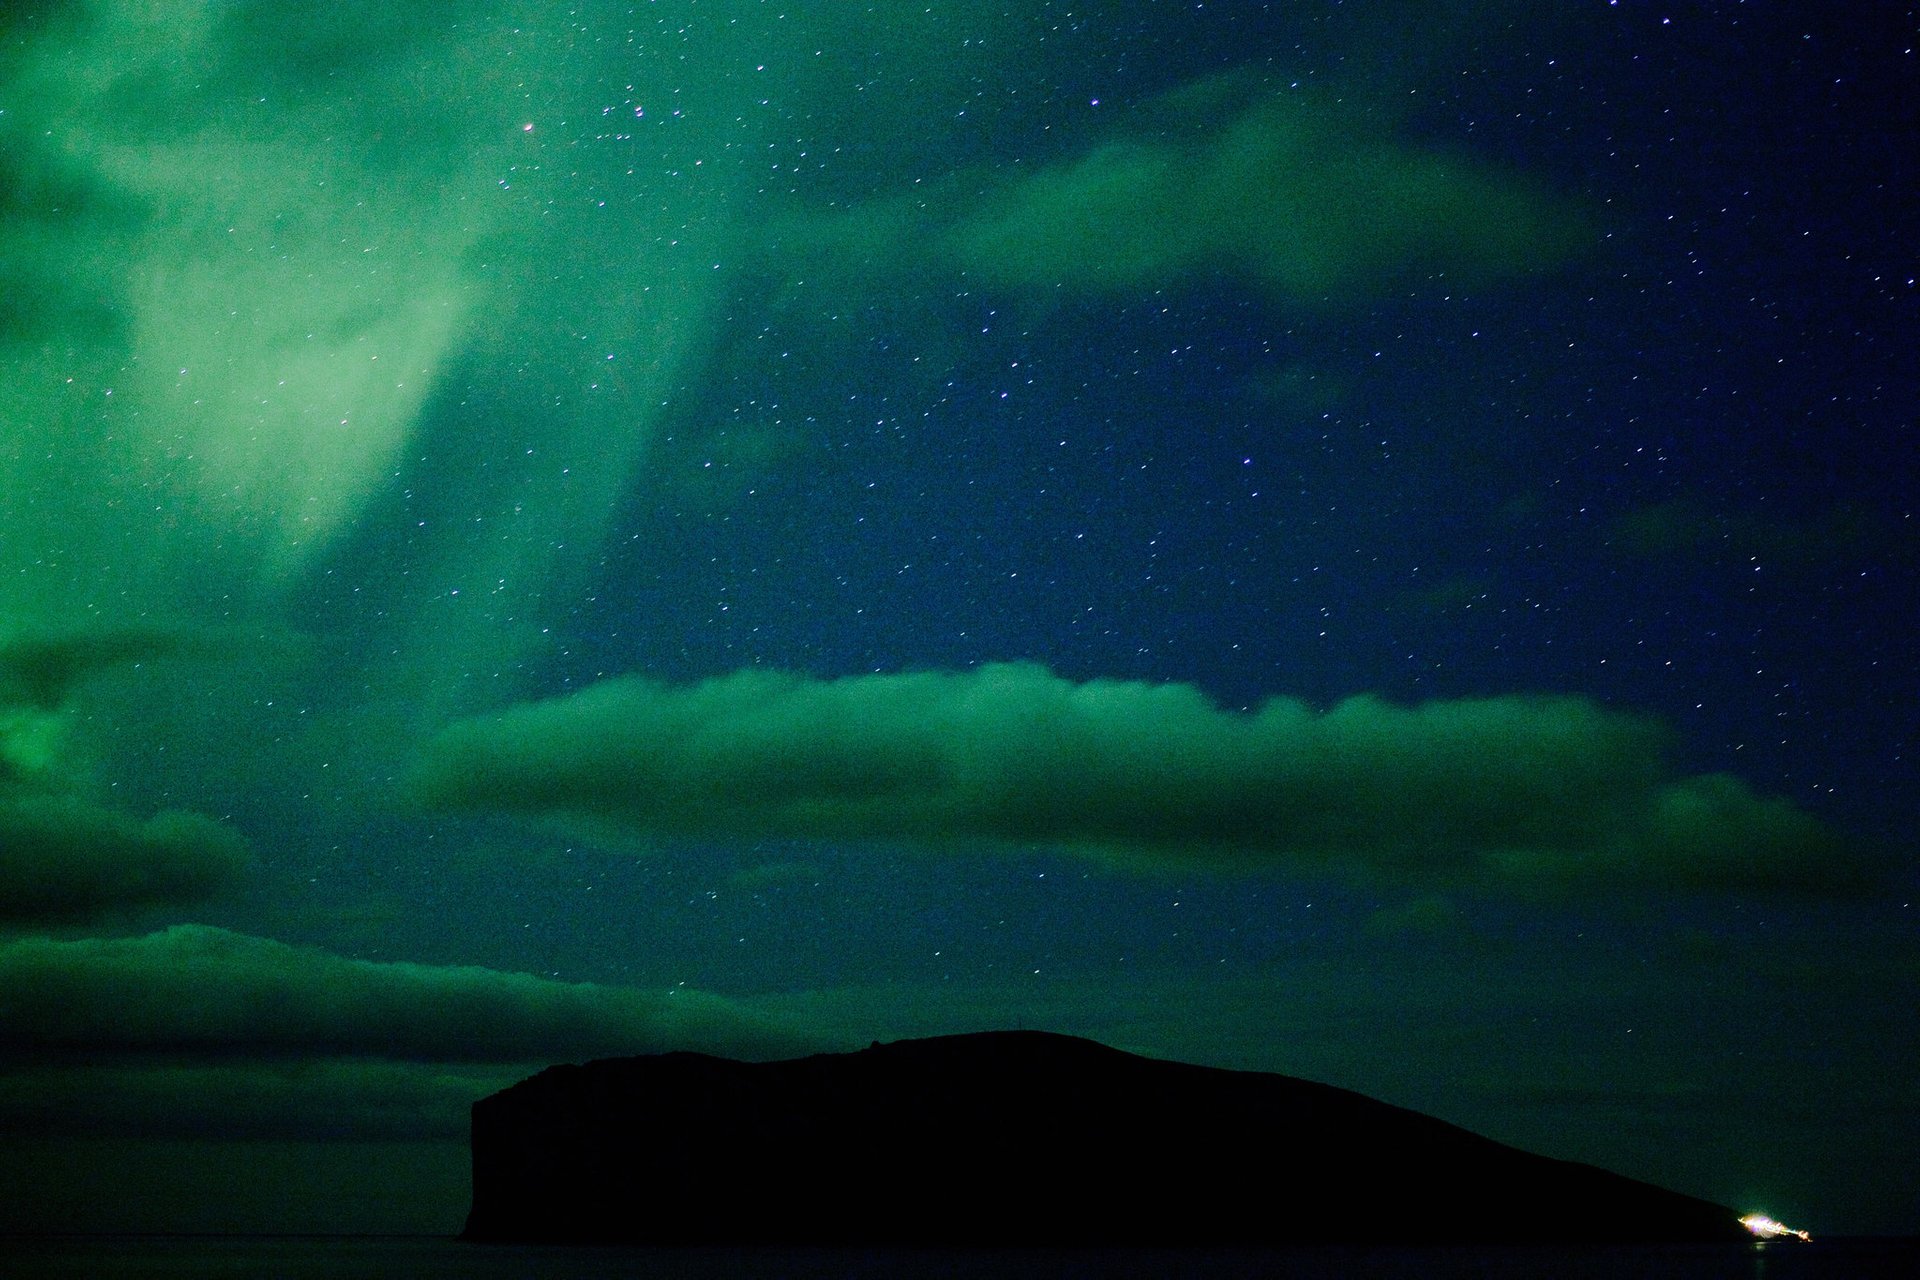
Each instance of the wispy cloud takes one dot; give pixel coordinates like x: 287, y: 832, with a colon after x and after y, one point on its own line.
x: 1291, y: 192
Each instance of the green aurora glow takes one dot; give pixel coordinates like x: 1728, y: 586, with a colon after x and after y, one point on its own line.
x: 347, y: 348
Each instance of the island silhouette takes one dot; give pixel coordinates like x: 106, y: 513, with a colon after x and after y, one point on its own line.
x: 1016, y: 1138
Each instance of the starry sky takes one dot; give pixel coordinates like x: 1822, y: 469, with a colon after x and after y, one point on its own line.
x: 1371, y: 541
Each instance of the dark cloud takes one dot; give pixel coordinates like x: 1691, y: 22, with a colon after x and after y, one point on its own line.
x: 62, y: 859
x: 1547, y: 791
x: 200, y: 1032
x: 39, y: 668
x: 208, y: 992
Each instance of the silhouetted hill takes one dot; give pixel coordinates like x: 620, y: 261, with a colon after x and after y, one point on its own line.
x: 1015, y: 1138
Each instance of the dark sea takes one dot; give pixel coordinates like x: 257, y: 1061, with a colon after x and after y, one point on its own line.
x: 338, y: 1257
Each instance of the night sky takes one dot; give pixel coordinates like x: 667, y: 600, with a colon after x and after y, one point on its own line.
x: 1374, y: 541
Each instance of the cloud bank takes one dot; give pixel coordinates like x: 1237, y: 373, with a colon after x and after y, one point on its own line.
x: 62, y: 859
x: 210, y: 992
x: 1554, y: 791
x: 196, y: 1031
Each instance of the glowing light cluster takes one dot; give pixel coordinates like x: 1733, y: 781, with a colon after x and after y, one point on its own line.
x: 1768, y: 1229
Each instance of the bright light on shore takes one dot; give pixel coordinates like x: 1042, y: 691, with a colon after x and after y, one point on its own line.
x: 1767, y: 1229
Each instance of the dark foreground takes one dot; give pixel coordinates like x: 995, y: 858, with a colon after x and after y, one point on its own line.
x: 1017, y: 1139
x: 338, y: 1258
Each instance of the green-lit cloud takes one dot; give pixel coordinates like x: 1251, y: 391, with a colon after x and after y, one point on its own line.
x: 209, y: 992
x: 1554, y: 791
x: 203, y: 1032
x: 1316, y: 203
x: 65, y: 857
x: 62, y: 859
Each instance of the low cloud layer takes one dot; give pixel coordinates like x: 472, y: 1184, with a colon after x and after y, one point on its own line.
x: 202, y: 1032
x: 210, y: 992
x: 1553, y: 791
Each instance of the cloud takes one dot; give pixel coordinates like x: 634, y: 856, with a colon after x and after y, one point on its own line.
x: 39, y: 667
x: 1316, y: 203
x: 62, y: 859
x: 200, y: 1031
x: 204, y: 991
x: 1553, y: 791
x: 1686, y: 528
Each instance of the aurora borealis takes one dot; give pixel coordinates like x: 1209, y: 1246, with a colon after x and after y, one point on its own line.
x: 1367, y: 541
